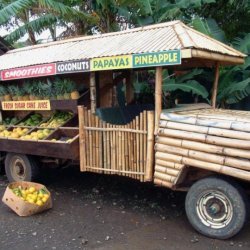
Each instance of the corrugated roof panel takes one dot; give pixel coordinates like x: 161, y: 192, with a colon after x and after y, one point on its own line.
x: 154, y: 38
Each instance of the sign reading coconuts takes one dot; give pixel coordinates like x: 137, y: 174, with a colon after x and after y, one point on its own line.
x: 72, y: 66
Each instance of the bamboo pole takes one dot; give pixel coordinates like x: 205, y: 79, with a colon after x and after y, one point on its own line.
x: 123, y: 167
x: 137, y: 124
x: 87, y: 136
x: 114, y: 170
x: 108, y: 148
x: 145, y: 143
x: 150, y: 147
x: 119, y: 129
x: 204, y: 147
x: 215, y: 140
x: 82, y: 141
x: 90, y: 141
x: 163, y: 183
x: 238, y: 173
x: 134, y: 149
x: 169, y: 171
x: 141, y: 146
x: 209, y: 122
x: 222, y: 160
x: 126, y: 142
x: 113, y: 149
x: 105, y: 147
x: 120, y: 153
x: 92, y: 92
x: 169, y: 164
x: 206, y: 130
x: 215, y: 85
x: 164, y: 177
x: 158, y: 96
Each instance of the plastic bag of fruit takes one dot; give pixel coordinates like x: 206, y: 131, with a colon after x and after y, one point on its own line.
x: 27, y: 198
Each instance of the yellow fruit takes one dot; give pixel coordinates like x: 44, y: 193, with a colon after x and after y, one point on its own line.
x: 14, y: 135
x: 46, y: 196
x: 44, y: 199
x: 39, y: 203
x: 32, y: 189
x: 40, y: 195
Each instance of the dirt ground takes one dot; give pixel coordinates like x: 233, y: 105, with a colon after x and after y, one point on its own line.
x: 93, y: 211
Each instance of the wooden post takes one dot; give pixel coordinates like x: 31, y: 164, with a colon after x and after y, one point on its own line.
x: 82, y: 141
x: 158, y: 96
x: 215, y: 85
x: 93, y: 92
x: 150, y: 147
x: 129, y: 87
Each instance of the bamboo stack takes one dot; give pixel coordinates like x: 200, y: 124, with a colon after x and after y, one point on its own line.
x: 210, y: 139
x: 117, y: 149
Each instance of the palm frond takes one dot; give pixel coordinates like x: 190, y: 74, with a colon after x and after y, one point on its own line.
x: 38, y: 25
x: 209, y: 27
x: 190, y: 86
x: 235, y: 92
x: 13, y: 9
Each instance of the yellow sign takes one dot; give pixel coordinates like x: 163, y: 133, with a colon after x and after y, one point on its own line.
x: 112, y: 62
x: 26, y: 105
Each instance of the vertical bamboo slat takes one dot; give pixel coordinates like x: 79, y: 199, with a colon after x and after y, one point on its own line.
x: 141, y: 147
x: 137, y: 127
x: 158, y: 96
x: 150, y: 147
x: 215, y: 86
x: 82, y: 141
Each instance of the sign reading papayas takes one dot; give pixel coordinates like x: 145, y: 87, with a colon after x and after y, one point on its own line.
x: 108, y: 63
x: 157, y: 59
x: 26, y: 105
x: 27, y: 72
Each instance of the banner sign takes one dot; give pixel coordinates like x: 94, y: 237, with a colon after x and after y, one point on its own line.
x: 112, y: 62
x: 28, y: 72
x: 26, y: 105
x: 73, y: 66
x: 157, y: 59
x: 143, y: 60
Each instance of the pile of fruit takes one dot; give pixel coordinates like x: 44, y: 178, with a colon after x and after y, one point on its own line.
x: 16, y: 133
x: 31, y: 195
x: 57, y: 119
x: 40, y: 134
x: 10, y: 121
x: 32, y: 120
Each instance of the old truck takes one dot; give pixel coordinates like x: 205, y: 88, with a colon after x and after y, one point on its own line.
x: 195, y: 148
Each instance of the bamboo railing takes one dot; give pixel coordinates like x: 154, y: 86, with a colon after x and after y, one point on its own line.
x: 125, y: 150
x: 210, y: 139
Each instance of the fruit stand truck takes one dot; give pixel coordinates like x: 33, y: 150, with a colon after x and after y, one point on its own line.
x: 74, y: 101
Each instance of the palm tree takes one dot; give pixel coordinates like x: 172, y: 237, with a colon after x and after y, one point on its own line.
x: 32, y: 17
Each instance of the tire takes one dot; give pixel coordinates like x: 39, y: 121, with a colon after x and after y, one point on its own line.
x: 19, y: 167
x: 216, y: 207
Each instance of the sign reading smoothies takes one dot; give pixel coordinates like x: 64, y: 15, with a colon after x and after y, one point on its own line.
x: 28, y: 72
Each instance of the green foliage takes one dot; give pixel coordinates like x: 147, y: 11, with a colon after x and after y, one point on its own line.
x: 3, y: 90
x: 185, y: 83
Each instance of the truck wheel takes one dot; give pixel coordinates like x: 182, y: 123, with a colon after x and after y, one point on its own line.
x: 216, y: 207
x: 19, y: 167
